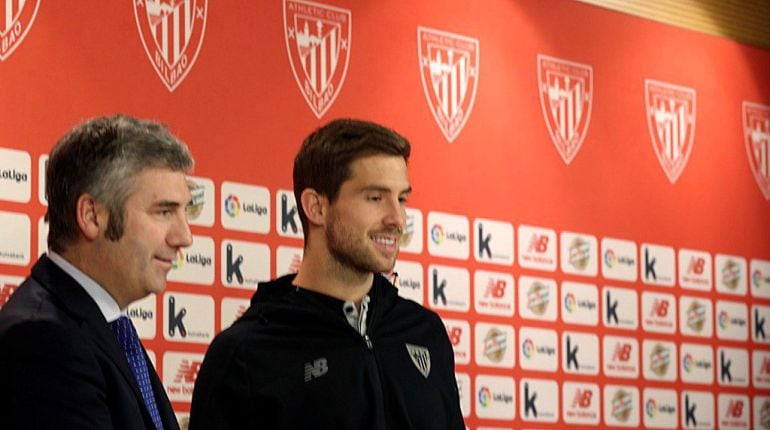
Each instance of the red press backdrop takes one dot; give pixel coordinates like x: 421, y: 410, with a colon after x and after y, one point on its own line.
x: 591, y: 204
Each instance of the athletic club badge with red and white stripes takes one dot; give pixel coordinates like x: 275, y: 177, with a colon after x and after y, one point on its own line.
x: 172, y: 35
x: 16, y: 18
x: 566, y: 95
x: 671, y: 121
x: 756, y: 131
x: 449, y: 68
x: 318, y: 44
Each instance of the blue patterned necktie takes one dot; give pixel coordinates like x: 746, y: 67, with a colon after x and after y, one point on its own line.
x: 129, y: 341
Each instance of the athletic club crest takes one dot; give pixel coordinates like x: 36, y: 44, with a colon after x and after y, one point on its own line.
x: 449, y: 68
x: 172, y: 35
x: 671, y: 121
x: 16, y: 18
x: 420, y: 356
x: 566, y: 93
x: 756, y: 131
x: 318, y: 44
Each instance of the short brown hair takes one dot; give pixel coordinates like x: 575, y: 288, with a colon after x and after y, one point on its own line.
x: 323, y: 162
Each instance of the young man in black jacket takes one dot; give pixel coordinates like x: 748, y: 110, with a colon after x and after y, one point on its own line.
x: 335, y: 346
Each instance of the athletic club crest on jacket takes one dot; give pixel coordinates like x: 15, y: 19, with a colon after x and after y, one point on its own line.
x: 16, y: 18
x: 671, y: 121
x: 172, y: 35
x: 318, y: 44
x: 566, y: 93
x: 449, y: 68
x: 756, y: 131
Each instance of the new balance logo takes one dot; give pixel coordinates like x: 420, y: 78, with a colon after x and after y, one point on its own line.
x: 187, y: 372
x: 316, y: 369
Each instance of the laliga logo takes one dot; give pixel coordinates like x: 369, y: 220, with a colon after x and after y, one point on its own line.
x: 671, y: 122
x: 651, y: 408
x: 723, y: 320
x: 566, y: 92
x: 569, y: 302
x: 172, y: 35
x: 449, y: 69
x: 756, y: 278
x: 688, y: 362
x: 756, y: 131
x: 609, y: 258
x: 528, y: 348
x: 485, y: 396
x: 318, y: 43
x: 16, y: 18
x: 177, y: 264
x: 232, y: 206
x: 437, y: 234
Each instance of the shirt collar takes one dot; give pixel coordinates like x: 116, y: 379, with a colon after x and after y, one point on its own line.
x: 107, y: 305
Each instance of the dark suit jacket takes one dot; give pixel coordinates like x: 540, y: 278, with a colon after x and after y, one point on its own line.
x: 61, y: 365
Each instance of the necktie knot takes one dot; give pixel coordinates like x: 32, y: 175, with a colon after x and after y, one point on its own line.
x: 132, y: 348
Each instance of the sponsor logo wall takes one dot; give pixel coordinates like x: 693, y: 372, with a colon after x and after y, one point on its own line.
x: 622, y: 280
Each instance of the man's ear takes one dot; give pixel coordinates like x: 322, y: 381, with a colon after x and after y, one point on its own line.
x: 91, y: 216
x: 315, y: 205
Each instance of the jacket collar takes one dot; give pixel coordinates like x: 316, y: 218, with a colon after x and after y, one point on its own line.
x: 81, y: 307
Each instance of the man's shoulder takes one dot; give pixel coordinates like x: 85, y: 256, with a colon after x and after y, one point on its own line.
x: 407, y: 307
x: 30, y: 303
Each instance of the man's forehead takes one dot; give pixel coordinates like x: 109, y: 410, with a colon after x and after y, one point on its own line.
x: 381, y: 171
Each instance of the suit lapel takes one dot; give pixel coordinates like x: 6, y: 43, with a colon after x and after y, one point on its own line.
x: 83, y: 308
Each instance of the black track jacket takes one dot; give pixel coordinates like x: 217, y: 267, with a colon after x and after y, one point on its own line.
x: 292, y: 361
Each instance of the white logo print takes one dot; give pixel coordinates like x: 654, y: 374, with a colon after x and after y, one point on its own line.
x: 671, y: 121
x: 16, y: 18
x: 449, y: 68
x: 316, y: 369
x: 172, y: 35
x: 756, y: 129
x: 566, y: 93
x: 318, y: 44
x: 420, y: 357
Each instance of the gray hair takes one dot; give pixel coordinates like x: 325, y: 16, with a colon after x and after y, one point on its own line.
x: 102, y: 157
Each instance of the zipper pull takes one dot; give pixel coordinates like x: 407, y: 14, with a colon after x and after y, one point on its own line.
x: 368, y: 342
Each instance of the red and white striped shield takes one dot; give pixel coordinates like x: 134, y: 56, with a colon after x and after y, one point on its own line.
x: 172, y: 35
x: 566, y: 93
x: 671, y: 121
x: 318, y: 44
x: 449, y: 68
x: 756, y: 131
x: 16, y: 18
